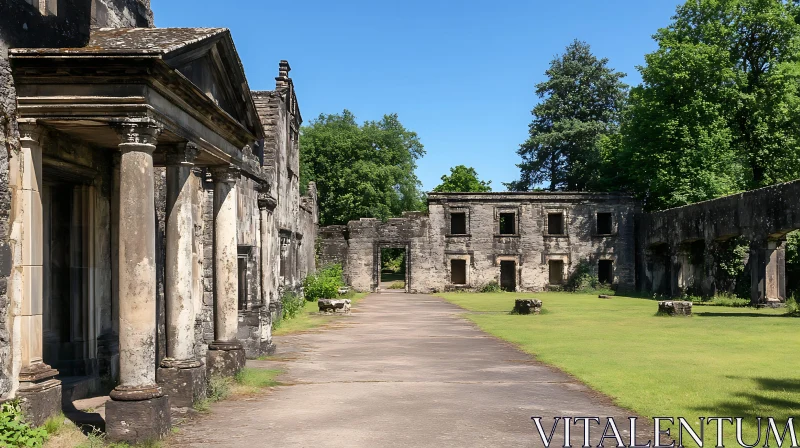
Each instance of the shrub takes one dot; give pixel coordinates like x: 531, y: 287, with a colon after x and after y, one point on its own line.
x: 324, y: 284
x: 582, y: 280
x: 792, y: 305
x: 14, y: 432
x: 492, y: 286
x: 292, y: 305
x: 219, y: 388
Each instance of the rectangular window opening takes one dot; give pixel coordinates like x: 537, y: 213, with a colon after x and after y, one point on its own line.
x: 458, y: 223
x: 555, y: 223
x: 556, y: 272
x: 508, y: 223
x: 605, y: 271
x: 242, y: 270
x: 604, y: 224
x: 458, y: 272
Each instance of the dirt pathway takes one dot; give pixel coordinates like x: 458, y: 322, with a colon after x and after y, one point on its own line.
x: 402, y: 371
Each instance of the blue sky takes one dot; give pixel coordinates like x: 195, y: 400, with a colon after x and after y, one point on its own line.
x: 459, y: 73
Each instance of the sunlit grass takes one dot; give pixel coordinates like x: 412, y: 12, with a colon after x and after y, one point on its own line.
x: 737, y: 362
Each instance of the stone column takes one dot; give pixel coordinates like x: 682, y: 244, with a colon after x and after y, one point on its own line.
x: 225, y: 355
x: 39, y: 391
x: 709, y: 285
x: 138, y: 409
x: 181, y: 374
x: 266, y: 206
x: 767, y: 272
x: 675, y: 270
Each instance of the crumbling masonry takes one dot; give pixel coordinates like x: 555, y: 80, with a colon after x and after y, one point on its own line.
x: 537, y: 241
x: 151, y: 210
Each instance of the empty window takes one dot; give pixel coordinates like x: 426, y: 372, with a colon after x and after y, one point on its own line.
x: 458, y: 223
x: 508, y: 223
x: 555, y: 223
x: 605, y: 271
x: 556, y: 272
x: 604, y: 224
x: 458, y: 272
x: 242, y: 265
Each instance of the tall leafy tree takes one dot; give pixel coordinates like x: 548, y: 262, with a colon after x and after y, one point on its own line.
x: 361, y: 170
x: 581, y: 102
x: 717, y: 111
x: 463, y: 179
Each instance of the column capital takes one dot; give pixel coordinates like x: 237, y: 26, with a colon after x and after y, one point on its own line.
x: 138, y: 133
x: 30, y: 131
x: 225, y: 173
x: 182, y: 154
x: 265, y: 198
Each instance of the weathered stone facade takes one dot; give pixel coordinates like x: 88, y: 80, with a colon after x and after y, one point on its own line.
x: 468, y: 240
x: 144, y: 199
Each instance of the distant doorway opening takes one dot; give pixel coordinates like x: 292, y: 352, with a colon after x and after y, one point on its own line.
x: 508, y: 275
x: 392, y: 269
x: 605, y: 271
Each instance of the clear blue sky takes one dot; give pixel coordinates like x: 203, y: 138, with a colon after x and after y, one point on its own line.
x: 459, y: 73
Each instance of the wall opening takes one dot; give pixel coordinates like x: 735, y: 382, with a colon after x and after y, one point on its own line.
x: 508, y: 275
x: 242, y: 271
x: 393, y: 268
x: 556, y: 275
x: 458, y: 223
x: 67, y: 342
x: 508, y: 223
x: 555, y: 223
x: 605, y: 271
x: 458, y: 272
x: 605, y: 224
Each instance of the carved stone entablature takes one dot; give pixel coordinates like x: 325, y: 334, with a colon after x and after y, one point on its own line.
x: 225, y: 173
x: 266, y: 201
x: 183, y: 154
x: 144, y: 132
x: 30, y: 130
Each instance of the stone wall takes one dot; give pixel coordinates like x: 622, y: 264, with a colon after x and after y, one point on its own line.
x: 122, y: 14
x: 431, y: 246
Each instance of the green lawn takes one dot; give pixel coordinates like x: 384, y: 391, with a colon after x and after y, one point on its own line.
x: 737, y: 362
x: 309, y: 318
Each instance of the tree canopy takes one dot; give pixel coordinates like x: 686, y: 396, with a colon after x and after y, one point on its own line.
x: 717, y: 111
x: 463, y: 179
x: 582, y: 100
x: 361, y: 170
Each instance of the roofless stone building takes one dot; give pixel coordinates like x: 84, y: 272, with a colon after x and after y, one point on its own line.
x: 151, y: 213
x: 537, y: 241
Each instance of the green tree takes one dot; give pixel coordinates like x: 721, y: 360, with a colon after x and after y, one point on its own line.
x: 463, y: 179
x: 582, y: 99
x: 361, y: 171
x: 717, y: 111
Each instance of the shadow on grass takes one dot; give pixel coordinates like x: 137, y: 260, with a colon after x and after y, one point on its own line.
x: 711, y: 314
x: 754, y: 403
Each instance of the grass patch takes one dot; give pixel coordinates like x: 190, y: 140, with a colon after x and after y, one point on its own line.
x: 309, y: 318
x: 723, y: 361
x: 398, y: 285
x: 251, y: 381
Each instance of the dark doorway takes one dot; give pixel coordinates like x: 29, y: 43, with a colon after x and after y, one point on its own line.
x: 393, y: 269
x: 556, y: 276
x: 605, y: 271
x: 458, y: 272
x: 508, y: 275
x: 66, y: 343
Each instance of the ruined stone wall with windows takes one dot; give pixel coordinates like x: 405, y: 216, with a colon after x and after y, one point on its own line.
x: 522, y: 241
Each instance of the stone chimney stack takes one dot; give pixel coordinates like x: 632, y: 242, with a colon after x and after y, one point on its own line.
x: 282, y: 81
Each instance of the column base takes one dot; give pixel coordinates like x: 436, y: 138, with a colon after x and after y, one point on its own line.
x: 183, y: 381
x: 39, y: 393
x: 225, y: 358
x: 138, y: 421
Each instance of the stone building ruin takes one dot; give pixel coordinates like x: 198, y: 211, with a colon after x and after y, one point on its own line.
x: 537, y: 241
x: 152, y: 215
